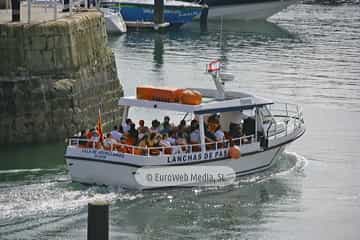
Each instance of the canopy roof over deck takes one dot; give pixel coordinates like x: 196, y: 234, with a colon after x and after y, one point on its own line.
x: 234, y: 101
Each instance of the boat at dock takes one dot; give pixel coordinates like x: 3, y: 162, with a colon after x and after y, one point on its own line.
x: 245, y: 9
x: 135, y: 12
x: 113, y: 21
x: 255, y: 132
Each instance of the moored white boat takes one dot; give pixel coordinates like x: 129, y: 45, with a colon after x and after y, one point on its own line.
x: 113, y: 21
x: 245, y: 9
x: 267, y: 128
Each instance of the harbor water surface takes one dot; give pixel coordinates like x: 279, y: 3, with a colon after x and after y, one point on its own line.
x: 308, y: 54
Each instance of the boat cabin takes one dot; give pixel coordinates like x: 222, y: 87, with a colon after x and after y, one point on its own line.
x: 247, y: 121
x: 236, y: 110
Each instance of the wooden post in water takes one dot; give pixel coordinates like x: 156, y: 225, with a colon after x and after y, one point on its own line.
x: 66, y: 7
x: 98, y: 221
x: 29, y: 10
x: 204, y: 17
x: 159, y: 12
x: 15, y: 6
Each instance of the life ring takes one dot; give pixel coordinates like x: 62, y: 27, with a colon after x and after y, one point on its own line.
x: 154, y: 152
x: 234, y: 152
x: 139, y: 151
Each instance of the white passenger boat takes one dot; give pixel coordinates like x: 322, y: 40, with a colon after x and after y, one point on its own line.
x: 267, y: 128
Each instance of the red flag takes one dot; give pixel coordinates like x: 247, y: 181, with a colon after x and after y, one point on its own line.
x: 99, y: 128
x: 214, y: 66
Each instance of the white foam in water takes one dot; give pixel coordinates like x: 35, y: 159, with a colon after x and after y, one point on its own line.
x: 288, y: 162
x: 49, y: 199
x: 20, y: 170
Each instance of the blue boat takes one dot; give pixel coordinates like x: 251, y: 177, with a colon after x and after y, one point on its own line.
x: 176, y: 13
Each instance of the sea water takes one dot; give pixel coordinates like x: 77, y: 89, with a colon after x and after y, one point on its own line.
x: 307, y: 54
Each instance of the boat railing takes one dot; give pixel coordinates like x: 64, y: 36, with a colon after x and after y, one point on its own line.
x: 162, y: 150
x: 290, y: 114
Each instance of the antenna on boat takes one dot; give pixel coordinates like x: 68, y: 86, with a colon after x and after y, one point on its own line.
x: 214, y: 69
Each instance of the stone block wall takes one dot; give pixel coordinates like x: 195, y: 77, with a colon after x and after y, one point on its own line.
x: 5, y: 4
x: 54, y: 76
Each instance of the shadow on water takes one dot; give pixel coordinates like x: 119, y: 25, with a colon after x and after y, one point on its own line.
x: 253, y: 30
x: 260, y: 28
x: 28, y: 156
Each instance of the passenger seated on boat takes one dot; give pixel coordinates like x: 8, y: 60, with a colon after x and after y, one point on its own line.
x: 109, y: 142
x: 83, y: 138
x: 116, y: 134
x: 132, y: 134
x: 214, y: 132
x: 94, y: 140
x: 155, y: 126
x: 126, y: 125
x: 195, y: 135
x: 194, y: 132
x: 183, y: 129
x: 154, y: 142
x: 142, y: 129
x: 143, y: 143
x: 220, y: 136
x: 89, y: 134
x: 172, y: 137
x: 235, y: 132
x: 181, y: 141
x: 165, y: 127
x: 165, y: 142
x: 209, y: 136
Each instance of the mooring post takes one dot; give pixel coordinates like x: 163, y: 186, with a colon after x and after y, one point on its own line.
x: 159, y: 12
x: 15, y: 6
x: 29, y: 10
x: 204, y: 17
x: 98, y: 221
x: 55, y: 9
x: 70, y: 7
x: 66, y: 7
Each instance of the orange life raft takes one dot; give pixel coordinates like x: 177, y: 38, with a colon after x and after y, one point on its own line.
x: 165, y: 94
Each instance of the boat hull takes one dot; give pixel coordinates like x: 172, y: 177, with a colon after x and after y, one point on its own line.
x: 99, y: 172
x: 247, y: 11
x: 175, y: 15
x: 113, y: 22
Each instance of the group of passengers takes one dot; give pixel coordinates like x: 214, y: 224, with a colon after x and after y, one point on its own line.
x: 164, y: 134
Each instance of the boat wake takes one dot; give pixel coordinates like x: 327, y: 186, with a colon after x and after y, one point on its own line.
x: 45, y: 201
x: 288, y: 162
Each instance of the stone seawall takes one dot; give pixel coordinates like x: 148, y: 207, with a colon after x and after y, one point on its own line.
x: 54, y: 76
